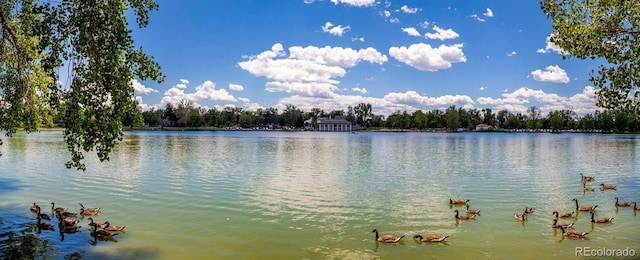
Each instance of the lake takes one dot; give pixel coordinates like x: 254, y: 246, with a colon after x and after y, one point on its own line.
x: 313, y: 195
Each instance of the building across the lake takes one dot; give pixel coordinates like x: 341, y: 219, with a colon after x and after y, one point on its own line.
x: 483, y: 127
x: 336, y: 124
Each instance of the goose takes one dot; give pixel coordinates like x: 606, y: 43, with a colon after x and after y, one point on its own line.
x: 584, y: 207
x: 89, y: 210
x: 563, y: 214
x: 97, y: 224
x: 464, y: 217
x: 109, y: 227
x: 102, y: 234
x: 585, y: 188
x: 431, y: 238
x: 88, y: 213
x: 459, y: 202
x: 529, y: 210
x: 635, y: 206
x: 607, y: 186
x: 34, y: 208
x: 68, y: 229
x: 67, y: 221
x: 472, y: 211
x: 386, y: 238
x: 587, y: 178
x: 43, y: 225
x: 622, y: 203
x: 40, y: 214
x: 573, y: 233
x: 563, y: 225
x: 520, y: 217
x: 58, y: 209
x: 600, y: 219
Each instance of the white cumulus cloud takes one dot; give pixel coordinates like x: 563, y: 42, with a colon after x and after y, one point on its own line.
x: 138, y: 88
x: 357, y: 3
x: 205, y: 91
x: 423, y: 57
x: 143, y: 106
x: 336, y: 56
x: 551, y: 47
x: 414, y: 98
x: 305, y: 89
x: 183, y: 83
x: 512, y: 53
x: 411, y: 31
x: 361, y: 90
x: 475, y: 16
x: 424, y: 24
x: 308, y: 71
x: 409, y: 10
x: 521, y: 99
x: 441, y: 34
x: 236, y: 87
x: 337, y: 30
x: 552, y: 73
x: 488, y: 13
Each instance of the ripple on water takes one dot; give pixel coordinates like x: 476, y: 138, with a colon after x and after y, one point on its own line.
x: 225, y: 194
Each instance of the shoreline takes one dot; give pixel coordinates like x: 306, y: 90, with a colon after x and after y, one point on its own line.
x: 384, y: 130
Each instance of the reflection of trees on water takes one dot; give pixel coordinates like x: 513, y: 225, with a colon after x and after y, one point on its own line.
x: 20, y: 238
x: 26, y: 244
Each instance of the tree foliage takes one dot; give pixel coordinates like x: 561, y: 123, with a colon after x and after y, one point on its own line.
x: 556, y: 122
x: 607, y: 29
x: 23, y: 81
x: 622, y: 121
x: 92, y: 41
x: 452, y: 118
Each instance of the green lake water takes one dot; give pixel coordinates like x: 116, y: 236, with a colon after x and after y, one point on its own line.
x: 312, y: 195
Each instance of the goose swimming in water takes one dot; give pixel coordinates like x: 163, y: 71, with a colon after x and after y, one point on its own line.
x: 563, y: 214
x: 622, y: 203
x: 584, y: 207
x: 573, y: 233
x: 520, y: 217
x: 600, y: 219
x: 563, y: 225
x: 472, y: 211
x: 88, y: 211
x: 458, y: 202
x: 109, y: 227
x: 587, y: 178
x: 386, y: 238
x: 431, y: 238
x: 464, y: 217
x: 607, y: 186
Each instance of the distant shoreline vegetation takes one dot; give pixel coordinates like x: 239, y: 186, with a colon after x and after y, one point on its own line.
x: 366, y: 130
x: 231, y: 129
x: 185, y: 116
x: 437, y: 130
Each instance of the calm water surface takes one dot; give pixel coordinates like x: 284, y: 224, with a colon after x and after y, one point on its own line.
x: 310, y: 195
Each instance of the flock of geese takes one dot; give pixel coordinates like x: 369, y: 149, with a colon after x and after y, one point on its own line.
x: 68, y: 222
x: 567, y: 228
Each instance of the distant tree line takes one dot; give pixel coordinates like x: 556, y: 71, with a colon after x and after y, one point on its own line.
x: 185, y: 114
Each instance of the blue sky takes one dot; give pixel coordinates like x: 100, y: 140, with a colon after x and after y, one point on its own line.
x: 331, y: 54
